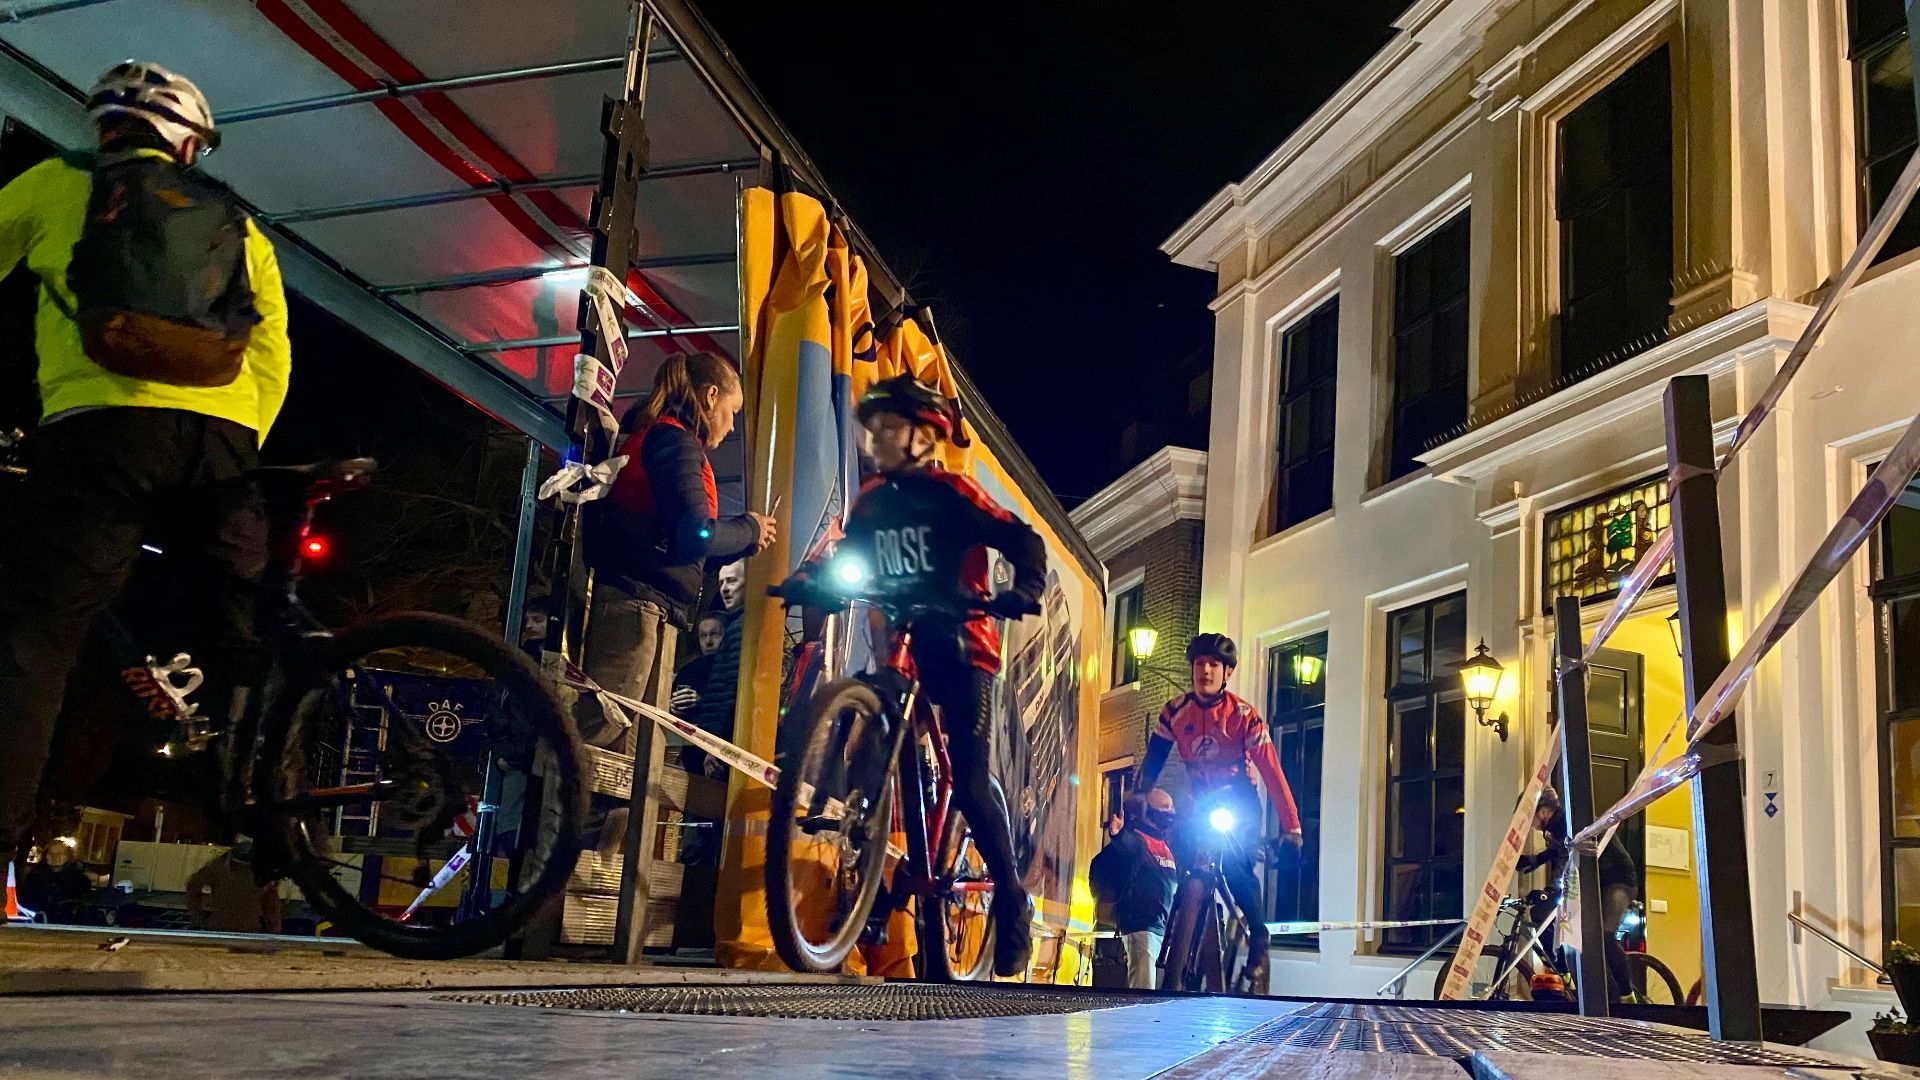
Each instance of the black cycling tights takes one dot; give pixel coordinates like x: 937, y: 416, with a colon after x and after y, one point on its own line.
x: 964, y: 694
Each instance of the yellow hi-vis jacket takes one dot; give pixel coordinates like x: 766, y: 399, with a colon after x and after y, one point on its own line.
x: 41, y: 213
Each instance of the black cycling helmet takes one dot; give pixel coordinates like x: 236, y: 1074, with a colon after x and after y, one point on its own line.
x: 1218, y: 646
x: 907, y: 396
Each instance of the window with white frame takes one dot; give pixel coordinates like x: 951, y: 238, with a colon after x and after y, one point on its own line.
x: 1431, y: 292
x: 1883, y: 111
x: 1615, y: 207
x: 1129, y: 606
x: 1303, y: 478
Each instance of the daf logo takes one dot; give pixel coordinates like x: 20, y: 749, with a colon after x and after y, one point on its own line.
x: 443, y: 722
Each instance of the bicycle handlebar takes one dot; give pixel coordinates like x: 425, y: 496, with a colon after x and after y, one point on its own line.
x: 803, y: 594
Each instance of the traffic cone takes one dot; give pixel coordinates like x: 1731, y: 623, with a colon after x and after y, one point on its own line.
x: 15, y: 913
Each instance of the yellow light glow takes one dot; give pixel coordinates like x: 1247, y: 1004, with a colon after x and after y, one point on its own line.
x: 1481, y: 684
x: 1142, y: 639
x: 70, y: 841
x: 1307, y: 669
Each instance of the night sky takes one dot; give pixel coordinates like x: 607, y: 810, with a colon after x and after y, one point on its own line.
x: 1021, y: 173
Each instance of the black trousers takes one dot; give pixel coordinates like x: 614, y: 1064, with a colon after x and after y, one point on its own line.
x: 100, y: 485
x: 1233, y: 853
x: 964, y: 695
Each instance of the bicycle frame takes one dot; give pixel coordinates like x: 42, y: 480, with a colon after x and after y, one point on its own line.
x: 925, y: 824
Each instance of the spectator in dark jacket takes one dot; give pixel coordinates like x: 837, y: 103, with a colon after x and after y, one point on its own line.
x: 722, y: 689
x: 700, y: 846
x: 1619, y: 880
x: 691, y: 680
x: 650, y: 539
x: 1136, y: 875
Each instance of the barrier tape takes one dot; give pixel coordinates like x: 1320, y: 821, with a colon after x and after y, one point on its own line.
x: 606, y: 294
x: 1486, y: 906
x: 757, y: 769
x: 594, y: 384
x: 1653, y: 783
x: 1882, y: 489
x: 598, y: 480
x: 1641, y: 579
x: 1326, y: 927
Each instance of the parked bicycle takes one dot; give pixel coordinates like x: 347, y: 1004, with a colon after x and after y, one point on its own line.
x: 1205, y: 949
x: 1526, y: 966
x: 862, y: 759
x: 385, y: 760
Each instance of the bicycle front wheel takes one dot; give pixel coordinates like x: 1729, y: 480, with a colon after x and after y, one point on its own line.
x: 828, y: 832
x: 405, y: 750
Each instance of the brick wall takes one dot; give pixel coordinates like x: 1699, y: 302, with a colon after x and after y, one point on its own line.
x: 1170, y: 560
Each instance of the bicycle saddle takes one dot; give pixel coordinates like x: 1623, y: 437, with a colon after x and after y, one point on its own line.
x: 321, y: 478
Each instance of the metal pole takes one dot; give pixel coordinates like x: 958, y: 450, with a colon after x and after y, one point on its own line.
x: 523, y: 544
x: 623, y: 123
x: 430, y: 86
x: 1397, y: 986
x: 1719, y: 813
x: 1576, y: 793
x: 614, y: 244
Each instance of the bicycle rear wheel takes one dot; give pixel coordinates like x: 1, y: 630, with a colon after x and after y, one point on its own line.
x: 404, y: 751
x: 827, y: 835
x: 962, y: 914
x: 1652, y: 980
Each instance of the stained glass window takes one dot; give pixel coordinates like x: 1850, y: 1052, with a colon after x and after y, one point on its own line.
x: 1593, y: 546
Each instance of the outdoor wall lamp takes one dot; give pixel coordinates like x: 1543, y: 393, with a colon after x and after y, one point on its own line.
x: 1141, y: 639
x: 1307, y: 669
x: 1481, y: 676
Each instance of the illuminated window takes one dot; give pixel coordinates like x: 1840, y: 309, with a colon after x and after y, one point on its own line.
x: 1591, y: 547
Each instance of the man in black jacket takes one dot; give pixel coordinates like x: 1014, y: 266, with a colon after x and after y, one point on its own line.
x: 1619, y: 881
x: 1136, y: 875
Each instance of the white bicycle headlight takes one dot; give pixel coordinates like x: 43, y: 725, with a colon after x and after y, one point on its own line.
x: 849, y: 572
x: 1221, y: 819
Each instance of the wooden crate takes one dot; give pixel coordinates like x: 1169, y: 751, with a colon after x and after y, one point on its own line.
x: 589, y: 920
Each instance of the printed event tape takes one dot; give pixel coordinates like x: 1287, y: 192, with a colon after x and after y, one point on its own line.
x: 1324, y: 927
x: 1486, y: 906
x: 757, y: 769
x: 1833, y: 553
x: 1876, y: 497
x: 1641, y: 578
x: 607, y: 295
x: 619, y: 706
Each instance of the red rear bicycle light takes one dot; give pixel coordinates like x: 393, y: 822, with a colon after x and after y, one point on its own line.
x: 314, y: 547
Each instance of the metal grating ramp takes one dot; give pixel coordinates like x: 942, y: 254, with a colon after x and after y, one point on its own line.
x: 1460, y: 1033
x: 892, y: 1001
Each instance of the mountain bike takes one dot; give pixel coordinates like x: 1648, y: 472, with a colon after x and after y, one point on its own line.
x: 862, y: 759
x: 1526, y: 966
x: 385, y: 766
x: 1207, y: 933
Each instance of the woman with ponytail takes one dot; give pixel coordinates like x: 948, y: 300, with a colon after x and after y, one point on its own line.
x: 650, y: 540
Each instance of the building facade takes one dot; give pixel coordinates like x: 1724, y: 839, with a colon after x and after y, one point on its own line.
x: 1448, y: 307
x: 1146, y: 529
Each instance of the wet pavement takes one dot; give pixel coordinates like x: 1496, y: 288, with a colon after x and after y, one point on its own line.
x: 163, y: 1007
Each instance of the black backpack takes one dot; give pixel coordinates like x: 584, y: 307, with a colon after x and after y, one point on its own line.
x: 159, y: 275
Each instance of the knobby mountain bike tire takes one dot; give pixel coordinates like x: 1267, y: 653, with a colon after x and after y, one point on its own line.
x: 350, y: 679
x: 1192, y: 932
x: 956, y: 927
x: 829, y: 743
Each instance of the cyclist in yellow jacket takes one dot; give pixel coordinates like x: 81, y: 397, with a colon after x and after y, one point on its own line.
x: 151, y: 418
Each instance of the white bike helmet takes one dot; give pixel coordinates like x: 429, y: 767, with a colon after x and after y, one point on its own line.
x: 171, y: 103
